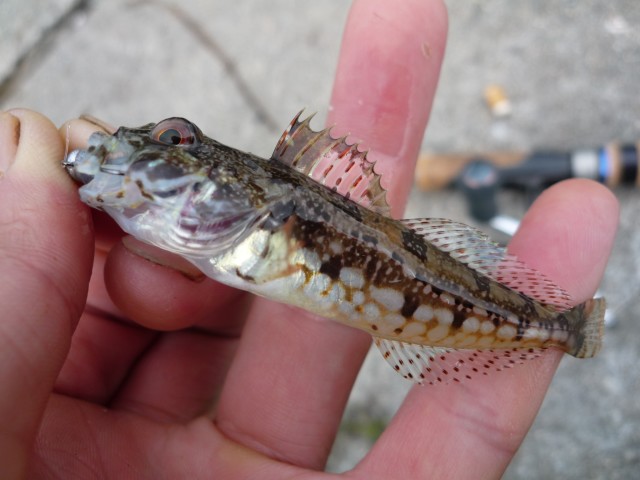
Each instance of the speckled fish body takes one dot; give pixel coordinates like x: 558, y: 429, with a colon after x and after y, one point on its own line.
x: 310, y: 227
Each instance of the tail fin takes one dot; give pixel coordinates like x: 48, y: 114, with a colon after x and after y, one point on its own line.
x: 587, y: 320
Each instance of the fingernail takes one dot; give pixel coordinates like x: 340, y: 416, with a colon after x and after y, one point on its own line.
x: 101, y: 124
x: 9, y: 138
x: 162, y: 257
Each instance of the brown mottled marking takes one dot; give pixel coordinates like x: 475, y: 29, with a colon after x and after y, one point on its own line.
x: 143, y: 192
x: 332, y: 267
x: 458, y: 319
x: 370, y: 267
x: 411, y: 304
x: 414, y: 244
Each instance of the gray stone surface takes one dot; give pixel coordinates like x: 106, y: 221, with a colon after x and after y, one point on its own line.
x: 23, y: 25
x: 570, y: 68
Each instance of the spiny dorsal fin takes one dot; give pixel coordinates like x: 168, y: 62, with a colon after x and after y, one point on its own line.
x: 475, y: 249
x: 433, y: 365
x: 332, y: 162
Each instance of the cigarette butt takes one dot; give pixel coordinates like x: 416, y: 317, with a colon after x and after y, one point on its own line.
x: 497, y: 101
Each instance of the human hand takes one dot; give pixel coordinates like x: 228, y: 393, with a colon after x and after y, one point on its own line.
x: 173, y: 375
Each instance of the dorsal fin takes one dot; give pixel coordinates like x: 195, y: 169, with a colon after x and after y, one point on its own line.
x: 475, y: 249
x: 434, y: 365
x: 332, y: 162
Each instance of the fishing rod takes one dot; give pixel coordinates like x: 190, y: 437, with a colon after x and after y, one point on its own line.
x: 480, y: 176
x: 613, y: 164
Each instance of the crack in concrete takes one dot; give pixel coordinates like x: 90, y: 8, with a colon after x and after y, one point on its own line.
x: 229, y: 65
x: 31, y: 57
x: 40, y: 48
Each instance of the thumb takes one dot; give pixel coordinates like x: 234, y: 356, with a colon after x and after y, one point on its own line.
x: 46, y: 248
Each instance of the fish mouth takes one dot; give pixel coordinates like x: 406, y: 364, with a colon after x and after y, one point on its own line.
x: 104, y: 154
x: 81, y: 165
x: 71, y: 162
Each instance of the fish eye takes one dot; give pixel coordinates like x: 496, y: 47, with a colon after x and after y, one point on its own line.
x: 176, y: 131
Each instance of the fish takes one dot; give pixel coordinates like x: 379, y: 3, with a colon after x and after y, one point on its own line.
x: 310, y: 226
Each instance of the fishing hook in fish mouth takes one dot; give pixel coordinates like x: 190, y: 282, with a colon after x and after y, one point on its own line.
x: 71, y: 158
x: 70, y: 162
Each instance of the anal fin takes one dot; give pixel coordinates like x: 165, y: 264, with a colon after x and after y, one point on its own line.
x: 434, y: 365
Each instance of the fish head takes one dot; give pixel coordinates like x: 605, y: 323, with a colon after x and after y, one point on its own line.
x: 169, y: 185
x: 136, y: 165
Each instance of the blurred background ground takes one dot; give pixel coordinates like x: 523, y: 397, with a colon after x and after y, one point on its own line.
x: 241, y: 69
